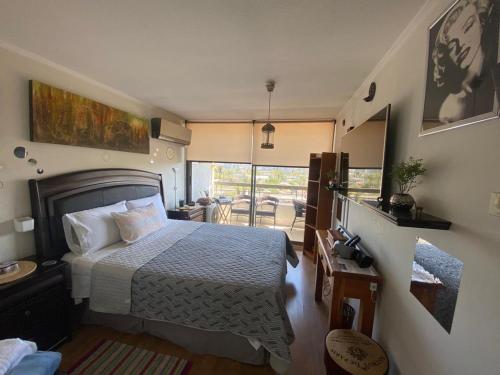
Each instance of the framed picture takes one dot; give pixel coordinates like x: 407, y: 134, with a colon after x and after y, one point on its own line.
x: 59, y: 116
x: 463, y: 70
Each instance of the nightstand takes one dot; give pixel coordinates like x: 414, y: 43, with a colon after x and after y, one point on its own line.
x: 37, y: 307
x: 195, y: 213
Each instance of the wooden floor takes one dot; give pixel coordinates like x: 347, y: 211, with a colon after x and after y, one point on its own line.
x: 309, y: 321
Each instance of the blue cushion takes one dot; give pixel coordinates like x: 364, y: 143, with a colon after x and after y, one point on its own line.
x: 39, y: 363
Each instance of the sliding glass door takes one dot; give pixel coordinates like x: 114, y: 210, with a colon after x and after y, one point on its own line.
x: 263, y: 196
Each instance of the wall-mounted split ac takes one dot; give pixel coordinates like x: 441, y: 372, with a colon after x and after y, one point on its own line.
x: 169, y: 131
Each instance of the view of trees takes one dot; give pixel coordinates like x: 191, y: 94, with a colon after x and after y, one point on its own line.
x: 365, y: 178
x: 265, y: 175
x: 240, y: 174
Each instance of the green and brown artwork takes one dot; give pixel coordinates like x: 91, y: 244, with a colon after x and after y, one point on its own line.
x: 59, y: 116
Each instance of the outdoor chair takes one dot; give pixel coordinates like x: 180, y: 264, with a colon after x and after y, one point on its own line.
x: 300, y: 210
x: 266, y: 207
x: 240, y: 206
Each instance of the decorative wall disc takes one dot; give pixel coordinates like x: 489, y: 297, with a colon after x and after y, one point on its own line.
x: 170, y: 153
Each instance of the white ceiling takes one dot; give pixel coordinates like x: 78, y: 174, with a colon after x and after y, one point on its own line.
x: 209, y: 59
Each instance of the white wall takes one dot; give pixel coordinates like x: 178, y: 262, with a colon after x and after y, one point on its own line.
x: 463, y: 169
x: 16, y: 69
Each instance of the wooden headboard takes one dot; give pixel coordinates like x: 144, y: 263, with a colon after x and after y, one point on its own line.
x: 53, y: 197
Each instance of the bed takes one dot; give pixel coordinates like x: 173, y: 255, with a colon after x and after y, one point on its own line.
x: 213, y: 289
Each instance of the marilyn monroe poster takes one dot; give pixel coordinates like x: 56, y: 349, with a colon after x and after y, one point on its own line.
x: 463, y: 74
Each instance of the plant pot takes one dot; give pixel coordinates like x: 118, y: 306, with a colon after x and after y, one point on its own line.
x: 402, y: 201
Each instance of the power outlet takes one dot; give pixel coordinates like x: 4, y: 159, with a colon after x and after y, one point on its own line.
x: 494, y: 204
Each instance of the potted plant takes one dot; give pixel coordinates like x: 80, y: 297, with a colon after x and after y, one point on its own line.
x: 332, y: 180
x: 405, y: 175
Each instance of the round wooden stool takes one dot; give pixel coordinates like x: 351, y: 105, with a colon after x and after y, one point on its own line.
x: 352, y: 353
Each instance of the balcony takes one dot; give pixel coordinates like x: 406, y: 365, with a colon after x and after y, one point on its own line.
x: 276, y: 190
x: 285, y: 212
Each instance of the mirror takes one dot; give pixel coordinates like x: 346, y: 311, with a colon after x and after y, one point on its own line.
x: 20, y: 152
x: 435, y: 281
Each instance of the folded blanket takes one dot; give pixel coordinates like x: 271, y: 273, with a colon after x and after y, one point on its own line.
x: 12, y: 351
x: 39, y: 363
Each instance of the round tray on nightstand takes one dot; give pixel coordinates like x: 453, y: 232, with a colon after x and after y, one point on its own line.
x: 26, y: 267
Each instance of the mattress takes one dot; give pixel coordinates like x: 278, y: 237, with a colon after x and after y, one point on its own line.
x: 81, y: 269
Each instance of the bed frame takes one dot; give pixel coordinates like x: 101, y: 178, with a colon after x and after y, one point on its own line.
x: 55, y: 196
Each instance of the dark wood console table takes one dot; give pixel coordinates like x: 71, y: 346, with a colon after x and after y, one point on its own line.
x: 195, y: 213
x: 348, y: 280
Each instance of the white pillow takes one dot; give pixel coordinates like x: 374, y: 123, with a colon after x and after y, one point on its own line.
x: 71, y: 237
x: 143, y: 202
x: 138, y: 222
x: 93, y: 229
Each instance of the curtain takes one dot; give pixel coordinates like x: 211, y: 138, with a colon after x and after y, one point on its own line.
x: 220, y: 142
x: 293, y: 142
x: 239, y: 142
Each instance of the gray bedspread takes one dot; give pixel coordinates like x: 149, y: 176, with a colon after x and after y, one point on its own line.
x: 219, y: 278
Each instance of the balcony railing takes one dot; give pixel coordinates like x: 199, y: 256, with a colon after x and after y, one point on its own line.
x: 285, y: 192
x: 285, y: 213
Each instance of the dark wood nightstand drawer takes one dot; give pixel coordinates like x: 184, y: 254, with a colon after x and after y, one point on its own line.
x: 194, y: 214
x: 197, y: 216
x: 41, y: 317
x: 23, y: 295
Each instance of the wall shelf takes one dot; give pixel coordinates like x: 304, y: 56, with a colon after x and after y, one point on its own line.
x: 407, y: 218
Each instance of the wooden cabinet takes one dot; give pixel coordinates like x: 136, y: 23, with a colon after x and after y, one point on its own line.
x: 37, y: 308
x: 197, y: 213
x: 319, y: 199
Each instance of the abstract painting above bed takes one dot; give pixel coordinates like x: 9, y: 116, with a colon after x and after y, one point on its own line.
x: 61, y: 117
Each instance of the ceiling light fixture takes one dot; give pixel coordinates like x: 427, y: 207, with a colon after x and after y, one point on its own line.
x: 268, y: 129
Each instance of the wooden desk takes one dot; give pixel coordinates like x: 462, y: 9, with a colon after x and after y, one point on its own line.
x: 348, y: 280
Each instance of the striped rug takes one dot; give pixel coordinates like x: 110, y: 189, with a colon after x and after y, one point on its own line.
x: 111, y: 357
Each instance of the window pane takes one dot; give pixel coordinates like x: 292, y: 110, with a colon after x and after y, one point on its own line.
x: 220, y: 179
x: 364, y: 183
x: 280, y: 194
x: 365, y: 178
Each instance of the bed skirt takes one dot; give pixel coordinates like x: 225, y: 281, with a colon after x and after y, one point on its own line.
x: 221, y: 344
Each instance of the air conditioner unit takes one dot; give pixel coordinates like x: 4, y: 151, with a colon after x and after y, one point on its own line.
x: 168, y: 131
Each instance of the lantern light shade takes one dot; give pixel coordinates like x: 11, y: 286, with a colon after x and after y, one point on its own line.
x: 268, y: 136
x: 268, y: 129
